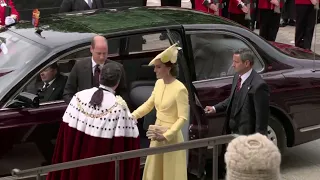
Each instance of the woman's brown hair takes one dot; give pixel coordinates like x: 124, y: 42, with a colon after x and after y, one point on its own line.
x: 174, y: 69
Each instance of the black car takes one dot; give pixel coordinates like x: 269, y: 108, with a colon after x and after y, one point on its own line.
x: 204, y: 62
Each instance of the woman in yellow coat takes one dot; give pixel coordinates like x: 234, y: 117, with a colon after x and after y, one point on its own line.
x: 170, y: 98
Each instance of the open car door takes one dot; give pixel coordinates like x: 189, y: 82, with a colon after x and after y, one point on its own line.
x: 198, y: 126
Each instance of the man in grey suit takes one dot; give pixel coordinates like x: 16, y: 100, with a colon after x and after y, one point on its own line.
x: 80, y: 5
x: 85, y: 73
x: 247, y: 106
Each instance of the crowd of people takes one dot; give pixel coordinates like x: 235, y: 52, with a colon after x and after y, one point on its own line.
x: 265, y: 15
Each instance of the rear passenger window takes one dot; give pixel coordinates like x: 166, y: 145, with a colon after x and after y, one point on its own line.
x: 57, y: 74
x: 213, y: 55
x: 142, y: 49
x: 148, y: 42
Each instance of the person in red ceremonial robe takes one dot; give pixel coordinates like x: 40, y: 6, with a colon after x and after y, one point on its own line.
x: 5, y: 18
x: 97, y: 123
x: 208, y: 6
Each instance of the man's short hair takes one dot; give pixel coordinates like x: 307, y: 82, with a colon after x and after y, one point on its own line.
x: 93, y: 43
x: 246, y: 54
x: 110, y: 74
x: 54, y: 66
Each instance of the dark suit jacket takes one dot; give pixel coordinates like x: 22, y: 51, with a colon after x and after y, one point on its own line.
x: 80, y: 78
x: 79, y: 5
x: 53, y: 92
x: 252, y: 111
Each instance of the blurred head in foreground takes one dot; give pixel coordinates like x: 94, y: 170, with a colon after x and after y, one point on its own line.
x: 252, y: 157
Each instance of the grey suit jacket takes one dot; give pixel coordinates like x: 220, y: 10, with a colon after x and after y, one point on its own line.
x: 252, y: 111
x: 80, y: 78
x: 79, y: 5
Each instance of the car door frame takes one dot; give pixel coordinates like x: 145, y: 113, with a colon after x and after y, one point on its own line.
x: 205, y: 117
x: 196, y: 110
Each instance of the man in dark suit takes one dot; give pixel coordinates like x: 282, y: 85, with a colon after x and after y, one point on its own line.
x: 80, y: 5
x: 247, y: 106
x: 50, y: 88
x: 85, y: 73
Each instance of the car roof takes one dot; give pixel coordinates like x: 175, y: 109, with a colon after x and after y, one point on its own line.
x: 61, y: 29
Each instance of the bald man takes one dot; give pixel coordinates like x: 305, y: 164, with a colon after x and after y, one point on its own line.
x: 85, y: 73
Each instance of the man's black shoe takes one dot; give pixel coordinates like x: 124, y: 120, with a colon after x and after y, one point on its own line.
x: 292, y: 22
x: 283, y: 22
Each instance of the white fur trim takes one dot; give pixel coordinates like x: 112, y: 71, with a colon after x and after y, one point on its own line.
x: 252, y: 157
x: 112, y: 119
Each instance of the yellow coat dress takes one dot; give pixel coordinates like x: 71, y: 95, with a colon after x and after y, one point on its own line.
x: 172, y: 105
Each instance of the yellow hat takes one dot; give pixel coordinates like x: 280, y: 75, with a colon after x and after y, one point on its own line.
x: 170, y: 54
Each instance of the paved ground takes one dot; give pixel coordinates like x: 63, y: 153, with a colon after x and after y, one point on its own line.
x: 302, y: 162
x: 298, y: 163
x: 286, y: 35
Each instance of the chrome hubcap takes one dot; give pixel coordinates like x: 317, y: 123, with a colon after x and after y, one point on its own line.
x: 272, y: 135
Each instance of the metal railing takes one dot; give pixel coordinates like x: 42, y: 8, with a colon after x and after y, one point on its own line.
x: 212, y: 142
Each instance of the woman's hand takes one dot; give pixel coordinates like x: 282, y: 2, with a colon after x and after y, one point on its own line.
x: 155, y: 132
x: 159, y: 136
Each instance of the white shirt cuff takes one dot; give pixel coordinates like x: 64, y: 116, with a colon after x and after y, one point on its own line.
x: 214, y: 108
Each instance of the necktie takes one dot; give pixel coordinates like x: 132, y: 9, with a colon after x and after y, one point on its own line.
x: 46, y: 85
x: 239, y: 84
x: 44, y: 88
x: 96, y: 76
x: 90, y: 3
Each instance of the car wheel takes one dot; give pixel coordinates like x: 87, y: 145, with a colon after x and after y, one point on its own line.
x: 277, y: 133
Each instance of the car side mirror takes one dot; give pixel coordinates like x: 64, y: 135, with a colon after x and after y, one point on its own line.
x: 25, y: 100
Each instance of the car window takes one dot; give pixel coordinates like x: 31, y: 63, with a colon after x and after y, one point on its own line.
x: 148, y: 42
x: 113, y: 49
x: 137, y: 68
x: 16, y: 51
x: 49, y: 83
x: 58, y: 75
x: 213, y: 55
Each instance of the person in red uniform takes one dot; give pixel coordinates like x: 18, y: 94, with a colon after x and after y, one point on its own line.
x: 305, y: 22
x: 238, y: 10
x: 208, y: 6
x: 8, y: 19
x: 269, y: 18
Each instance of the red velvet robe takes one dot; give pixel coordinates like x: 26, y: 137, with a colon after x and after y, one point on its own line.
x: 13, y: 12
x: 87, y: 132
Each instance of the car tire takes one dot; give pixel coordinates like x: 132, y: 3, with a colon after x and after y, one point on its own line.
x: 277, y: 133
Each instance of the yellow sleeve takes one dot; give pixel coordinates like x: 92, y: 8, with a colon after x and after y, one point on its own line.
x: 146, y: 107
x: 183, y: 109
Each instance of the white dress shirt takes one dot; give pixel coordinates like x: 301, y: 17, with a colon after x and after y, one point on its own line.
x: 44, y: 85
x: 244, y: 77
x: 94, y: 66
x: 88, y: 3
